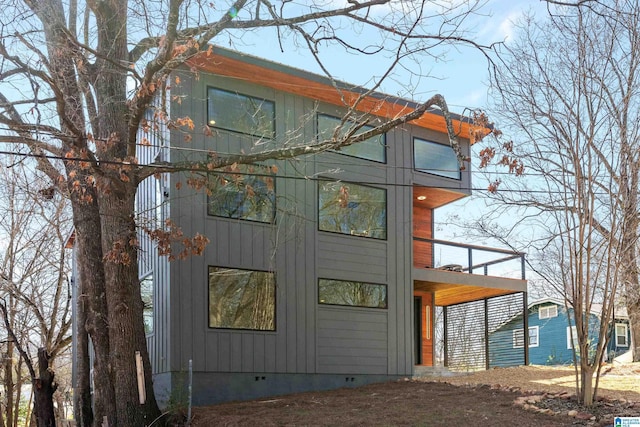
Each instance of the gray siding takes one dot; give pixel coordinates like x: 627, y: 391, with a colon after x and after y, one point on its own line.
x: 352, y: 341
x: 309, y: 338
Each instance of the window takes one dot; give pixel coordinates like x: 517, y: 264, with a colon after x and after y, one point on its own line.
x: 548, y: 311
x: 352, y: 209
x: 369, y: 149
x: 243, y: 192
x: 436, y: 159
x: 572, y: 337
x: 621, y: 335
x: 241, y: 299
x: 146, y: 292
x: 356, y: 294
x: 534, y: 337
x: 241, y: 113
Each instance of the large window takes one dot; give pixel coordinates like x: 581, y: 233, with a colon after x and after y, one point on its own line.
x: 534, y: 337
x: 353, y: 209
x: 436, y: 159
x: 241, y: 299
x: 622, y: 335
x: 370, y: 149
x: 358, y: 294
x: 243, y: 192
x: 547, y: 311
x: 146, y: 292
x: 241, y: 113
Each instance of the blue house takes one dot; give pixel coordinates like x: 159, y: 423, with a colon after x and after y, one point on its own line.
x: 552, y: 333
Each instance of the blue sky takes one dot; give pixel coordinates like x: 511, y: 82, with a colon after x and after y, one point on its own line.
x: 460, y: 74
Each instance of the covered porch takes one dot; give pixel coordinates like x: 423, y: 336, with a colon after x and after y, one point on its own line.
x: 461, y: 294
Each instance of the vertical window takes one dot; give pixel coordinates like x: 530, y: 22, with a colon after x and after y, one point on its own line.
x: 241, y: 299
x: 547, y: 311
x: 243, y: 192
x: 572, y: 337
x: 352, y: 209
x: 370, y: 149
x: 146, y: 292
x: 436, y: 159
x: 622, y: 335
x: 518, y: 337
x: 356, y: 294
x: 241, y: 113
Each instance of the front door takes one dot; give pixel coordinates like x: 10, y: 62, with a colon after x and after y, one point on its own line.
x: 423, y: 326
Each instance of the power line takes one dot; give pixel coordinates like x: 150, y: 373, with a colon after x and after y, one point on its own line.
x: 317, y: 177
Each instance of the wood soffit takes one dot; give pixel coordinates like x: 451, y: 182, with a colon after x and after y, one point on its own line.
x: 305, y: 84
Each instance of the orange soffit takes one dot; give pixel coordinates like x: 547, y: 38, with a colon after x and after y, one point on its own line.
x: 291, y: 80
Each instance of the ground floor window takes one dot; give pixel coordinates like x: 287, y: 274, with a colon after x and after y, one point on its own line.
x: 534, y: 337
x: 622, y: 334
x: 146, y: 292
x: 357, y: 294
x: 241, y: 299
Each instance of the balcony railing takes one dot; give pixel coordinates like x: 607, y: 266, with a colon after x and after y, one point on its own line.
x: 473, y: 259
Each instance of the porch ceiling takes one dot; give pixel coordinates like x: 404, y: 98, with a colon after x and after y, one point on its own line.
x: 450, y: 287
x: 435, y: 197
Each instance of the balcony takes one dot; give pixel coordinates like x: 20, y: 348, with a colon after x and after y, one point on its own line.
x: 457, y: 273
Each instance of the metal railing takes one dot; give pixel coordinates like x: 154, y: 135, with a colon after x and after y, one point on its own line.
x: 472, y: 258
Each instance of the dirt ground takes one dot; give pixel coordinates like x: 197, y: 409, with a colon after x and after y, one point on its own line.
x: 523, y: 396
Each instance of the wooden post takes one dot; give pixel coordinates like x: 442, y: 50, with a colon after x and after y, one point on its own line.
x: 142, y: 394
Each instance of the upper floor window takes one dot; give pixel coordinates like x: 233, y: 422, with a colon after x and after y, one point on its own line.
x: 356, y: 294
x: 242, y: 299
x: 548, y: 311
x: 370, y: 149
x: 243, y: 192
x: 241, y: 113
x: 436, y: 159
x: 354, y: 209
x: 146, y: 292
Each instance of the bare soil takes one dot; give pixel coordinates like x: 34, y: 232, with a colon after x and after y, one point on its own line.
x: 523, y: 396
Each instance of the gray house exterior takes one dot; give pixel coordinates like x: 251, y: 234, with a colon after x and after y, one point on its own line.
x: 322, y: 271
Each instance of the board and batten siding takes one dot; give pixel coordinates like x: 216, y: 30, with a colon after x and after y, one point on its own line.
x: 352, y: 340
x: 309, y: 338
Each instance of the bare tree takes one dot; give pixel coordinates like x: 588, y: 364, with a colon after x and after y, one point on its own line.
x: 35, y: 304
x: 75, y: 82
x: 568, y: 89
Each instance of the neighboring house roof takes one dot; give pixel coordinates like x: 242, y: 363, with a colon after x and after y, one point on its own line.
x: 620, y: 313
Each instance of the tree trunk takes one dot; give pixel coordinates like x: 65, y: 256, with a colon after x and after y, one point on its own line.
x: 126, y: 326
x: 586, y: 384
x: 8, y: 383
x: 93, y: 293
x: 83, y: 412
x: 633, y: 308
x: 43, y: 392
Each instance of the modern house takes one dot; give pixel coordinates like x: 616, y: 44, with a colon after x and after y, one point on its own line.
x: 322, y: 271
x: 552, y: 334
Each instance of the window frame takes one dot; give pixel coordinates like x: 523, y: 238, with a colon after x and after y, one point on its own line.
x: 217, y: 174
x: 626, y: 334
x: 383, y: 145
x: 149, y: 279
x: 384, y: 285
x: 352, y: 234
x: 216, y: 125
x: 229, y: 328
x: 521, y: 331
x: 572, y: 331
x: 444, y: 174
x: 547, y: 309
